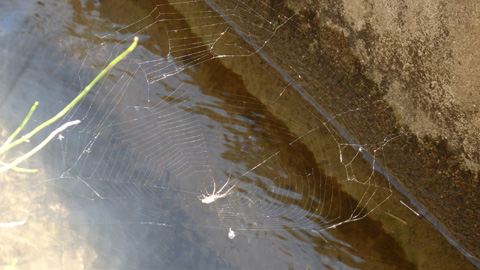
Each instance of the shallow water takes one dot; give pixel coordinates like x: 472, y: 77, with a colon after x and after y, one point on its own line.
x: 175, y: 121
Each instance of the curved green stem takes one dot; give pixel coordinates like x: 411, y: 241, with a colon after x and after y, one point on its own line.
x: 7, y: 145
x: 18, y: 169
x: 39, y: 146
x: 14, y: 134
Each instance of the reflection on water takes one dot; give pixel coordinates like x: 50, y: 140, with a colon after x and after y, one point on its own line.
x: 120, y: 191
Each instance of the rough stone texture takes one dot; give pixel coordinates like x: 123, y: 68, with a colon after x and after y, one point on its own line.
x: 393, y: 69
x: 423, y: 54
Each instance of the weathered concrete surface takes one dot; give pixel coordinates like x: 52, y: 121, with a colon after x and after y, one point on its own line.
x: 423, y: 54
x: 410, y: 67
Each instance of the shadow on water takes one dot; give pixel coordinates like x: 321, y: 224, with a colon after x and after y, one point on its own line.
x: 261, y: 124
x: 121, y: 190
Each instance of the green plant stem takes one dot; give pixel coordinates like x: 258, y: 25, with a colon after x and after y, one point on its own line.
x: 18, y: 169
x: 73, y: 102
x: 39, y: 146
x: 11, y: 266
x: 14, y: 134
x: 8, y: 145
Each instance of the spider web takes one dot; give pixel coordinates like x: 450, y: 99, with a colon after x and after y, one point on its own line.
x: 154, y: 139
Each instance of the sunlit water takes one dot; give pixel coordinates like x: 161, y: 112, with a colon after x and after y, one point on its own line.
x: 121, y: 190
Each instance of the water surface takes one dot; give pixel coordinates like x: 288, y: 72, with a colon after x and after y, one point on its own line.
x: 193, y: 105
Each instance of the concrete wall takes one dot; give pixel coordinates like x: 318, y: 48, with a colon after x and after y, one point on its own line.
x: 424, y: 58
x: 411, y: 67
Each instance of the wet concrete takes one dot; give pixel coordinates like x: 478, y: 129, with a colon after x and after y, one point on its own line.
x: 401, y: 64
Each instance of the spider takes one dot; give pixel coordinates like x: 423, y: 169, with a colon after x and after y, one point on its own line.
x: 216, y: 194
